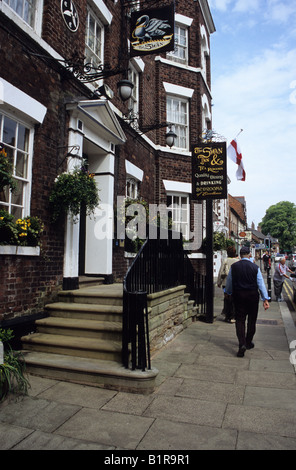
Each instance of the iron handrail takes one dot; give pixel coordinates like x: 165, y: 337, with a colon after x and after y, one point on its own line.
x: 160, y: 264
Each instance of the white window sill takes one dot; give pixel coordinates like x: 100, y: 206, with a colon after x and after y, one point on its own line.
x: 19, y: 250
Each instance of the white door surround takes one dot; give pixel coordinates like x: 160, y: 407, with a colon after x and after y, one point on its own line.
x: 95, y: 130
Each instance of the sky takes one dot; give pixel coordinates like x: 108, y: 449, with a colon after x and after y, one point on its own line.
x: 253, y: 61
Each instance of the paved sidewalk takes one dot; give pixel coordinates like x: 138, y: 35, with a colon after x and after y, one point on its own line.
x: 206, y: 398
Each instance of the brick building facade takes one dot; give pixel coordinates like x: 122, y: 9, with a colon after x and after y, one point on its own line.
x: 56, y: 111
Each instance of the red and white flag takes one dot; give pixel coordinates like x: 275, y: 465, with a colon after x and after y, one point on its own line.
x: 234, y: 153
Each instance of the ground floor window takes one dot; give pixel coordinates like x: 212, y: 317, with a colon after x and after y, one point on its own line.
x: 16, y: 138
x: 25, y: 9
x: 132, y: 188
x: 179, y: 210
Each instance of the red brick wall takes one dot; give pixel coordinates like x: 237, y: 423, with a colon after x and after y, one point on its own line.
x: 26, y: 283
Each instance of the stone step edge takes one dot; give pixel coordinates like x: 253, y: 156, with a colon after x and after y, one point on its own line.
x: 91, y: 308
x: 86, y: 365
x: 79, y: 324
x: 72, y: 342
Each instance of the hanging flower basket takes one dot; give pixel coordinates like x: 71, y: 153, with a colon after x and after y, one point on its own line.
x: 71, y: 192
x: 6, y: 170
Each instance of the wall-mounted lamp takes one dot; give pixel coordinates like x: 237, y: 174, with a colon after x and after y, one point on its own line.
x: 170, y: 137
x: 125, y: 88
x: 133, y: 119
x: 104, y: 90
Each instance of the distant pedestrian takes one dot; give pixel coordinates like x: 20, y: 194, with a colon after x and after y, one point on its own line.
x: 280, y: 273
x: 266, y: 260
x: 221, y: 282
x: 244, y: 282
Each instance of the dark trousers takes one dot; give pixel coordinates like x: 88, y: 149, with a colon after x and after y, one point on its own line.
x: 228, y: 308
x: 246, y: 303
x: 278, y: 287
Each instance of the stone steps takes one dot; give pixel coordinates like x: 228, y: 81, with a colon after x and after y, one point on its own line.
x: 89, y: 371
x: 99, y: 295
x: 85, y: 311
x: 81, y: 341
x: 83, y: 328
x: 77, y: 346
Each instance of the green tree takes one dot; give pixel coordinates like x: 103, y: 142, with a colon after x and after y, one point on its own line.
x: 280, y: 222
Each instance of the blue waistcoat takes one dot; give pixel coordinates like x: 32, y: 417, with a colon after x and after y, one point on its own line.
x: 244, y: 275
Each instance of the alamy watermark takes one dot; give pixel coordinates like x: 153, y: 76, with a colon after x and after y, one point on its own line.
x: 135, y: 221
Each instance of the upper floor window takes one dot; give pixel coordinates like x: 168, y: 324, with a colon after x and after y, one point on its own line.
x: 205, y: 51
x: 26, y: 9
x: 94, y: 40
x: 134, y: 5
x: 17, y: 139
x: 177, y: 114
x: 180, y: 53
x: 133, y: 104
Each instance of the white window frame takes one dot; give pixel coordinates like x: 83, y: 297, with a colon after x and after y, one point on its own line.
x: 27, y: 182
x: 134, y: 77
x: 180, y: 212
x: 91, y: 55
x: 7, y: 8
x: 132, y: 188
x: 180, y: 52
x: 205, y: 51
x: 179, y: 120
x: 134, y: 177
x: 206, y: 112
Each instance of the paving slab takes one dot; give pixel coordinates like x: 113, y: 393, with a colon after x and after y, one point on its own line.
x: 33, y: 413
x: 271, y: 365
x: 253, y: 441
x: 209, y: 391
x: 213, y: 374
x: 275, y: 398
x: 75, y: 394
x: 165, y: 434
x: 12, y: 435
x: 260, y: 420
x: 129, y: 403
x: 39, y: 440
x: 187, y: 410
x: 260, y: 378
x: 124, y: 431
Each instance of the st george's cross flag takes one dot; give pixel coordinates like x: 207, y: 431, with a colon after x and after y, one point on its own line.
x: 234, y: 153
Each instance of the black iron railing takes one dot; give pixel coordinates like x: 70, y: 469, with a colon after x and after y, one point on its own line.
x: 160, y: 264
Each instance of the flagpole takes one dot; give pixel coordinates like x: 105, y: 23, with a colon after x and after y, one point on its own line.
x: 239, y: 133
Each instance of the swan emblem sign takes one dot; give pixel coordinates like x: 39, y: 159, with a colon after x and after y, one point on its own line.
x: 152, y: 31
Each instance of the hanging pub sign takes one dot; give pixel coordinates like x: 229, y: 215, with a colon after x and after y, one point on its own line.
x: 209, y: 171
x: 152, y: 31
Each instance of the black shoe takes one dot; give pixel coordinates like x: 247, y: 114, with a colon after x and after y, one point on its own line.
x: 250, y: 346
x: 241, y: 351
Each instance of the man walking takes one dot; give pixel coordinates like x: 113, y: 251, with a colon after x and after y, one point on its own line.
x: 243, y: 283
x: 280, y: 273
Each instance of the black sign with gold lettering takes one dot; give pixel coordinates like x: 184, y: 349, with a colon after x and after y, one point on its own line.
x: 209, y: 171
x: 152, y: 31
